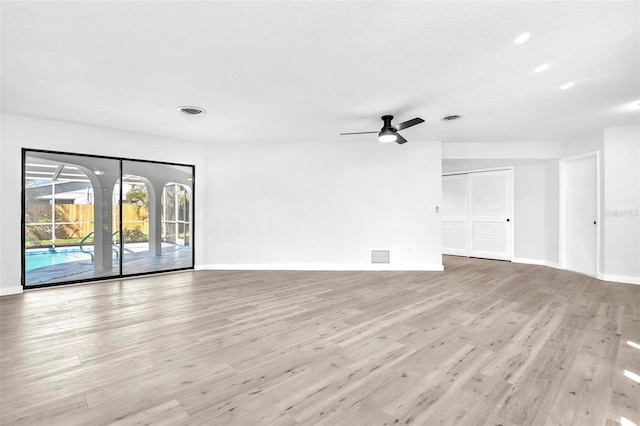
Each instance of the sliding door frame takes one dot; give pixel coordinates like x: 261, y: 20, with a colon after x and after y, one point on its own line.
x: 120, y: 274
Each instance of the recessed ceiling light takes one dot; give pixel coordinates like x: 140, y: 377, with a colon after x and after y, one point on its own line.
x: 567, y: 85
x: 191, y: 110
x: 541, y: 68
x: 450, y: 117
x: 522, y: 38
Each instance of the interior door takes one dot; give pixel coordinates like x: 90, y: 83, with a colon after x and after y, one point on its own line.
x: 490, y: 212
x: 454, y: 215
x: 581, y: 215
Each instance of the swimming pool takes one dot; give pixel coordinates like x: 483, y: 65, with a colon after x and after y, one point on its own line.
x: 39, y: 258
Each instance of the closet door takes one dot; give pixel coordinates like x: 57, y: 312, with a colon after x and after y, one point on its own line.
x: 490, y: 214
x: 454, y: 215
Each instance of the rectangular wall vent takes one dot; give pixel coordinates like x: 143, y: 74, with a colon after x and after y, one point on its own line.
x: 380, y: 256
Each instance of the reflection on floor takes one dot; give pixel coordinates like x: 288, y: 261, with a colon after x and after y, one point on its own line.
x: 136, y: 260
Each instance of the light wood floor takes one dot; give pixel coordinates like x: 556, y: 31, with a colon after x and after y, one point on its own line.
x: 484, y: 343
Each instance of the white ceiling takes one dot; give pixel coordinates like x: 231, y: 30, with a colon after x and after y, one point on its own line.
x: 307, y: 71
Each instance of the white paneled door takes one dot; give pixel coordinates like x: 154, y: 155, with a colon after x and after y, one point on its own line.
x: 477, y: 214
x: 490, y: 214
x: 454, y: 215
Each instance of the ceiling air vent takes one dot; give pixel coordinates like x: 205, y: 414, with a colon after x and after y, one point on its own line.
x: 191, y: 110
x: 450, y: 117
x: 380, y: 256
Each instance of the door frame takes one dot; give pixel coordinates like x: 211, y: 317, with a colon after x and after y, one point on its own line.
x: 562, y: 252
x: 511, y: 249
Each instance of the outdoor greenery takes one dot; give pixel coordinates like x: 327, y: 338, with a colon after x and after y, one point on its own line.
x: 135, y: 236
x: 139, y: 196
x: 36, y: 243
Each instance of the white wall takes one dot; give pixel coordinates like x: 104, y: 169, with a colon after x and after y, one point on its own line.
x: 323, y: 206
x: 495, y: 151
x: 552, y: 213
x: 22, y: 132
x: 530, y: 212
x: 622, y: 203
x: 583, y: 143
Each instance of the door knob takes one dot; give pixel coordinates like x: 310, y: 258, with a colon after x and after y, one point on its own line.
x: 508, y: 220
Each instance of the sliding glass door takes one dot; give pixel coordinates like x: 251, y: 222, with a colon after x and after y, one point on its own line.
x: 151, y: 241
x: 87, y: 217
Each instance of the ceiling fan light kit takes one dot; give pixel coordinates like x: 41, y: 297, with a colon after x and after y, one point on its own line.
x: 389, y: 132
x: 387, y: 135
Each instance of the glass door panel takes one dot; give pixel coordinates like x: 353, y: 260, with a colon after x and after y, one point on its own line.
x: 152, y: 196
x: 68, y: 218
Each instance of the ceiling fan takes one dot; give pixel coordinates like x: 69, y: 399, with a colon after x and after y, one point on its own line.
x: 389, y: 132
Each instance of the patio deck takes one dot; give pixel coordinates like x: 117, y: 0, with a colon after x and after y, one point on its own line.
x: 136, y: 260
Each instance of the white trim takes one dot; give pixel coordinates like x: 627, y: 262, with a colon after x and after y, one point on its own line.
x: 11, y: 291
x: 626, y: 279
x: 512, y: 226
x: 465, y: 172
x: 554, y: 265
x: 563, y: 208
x: 320, y: 267
x: 529, y: 261
x: 540, y: 262
x: 562, y: 215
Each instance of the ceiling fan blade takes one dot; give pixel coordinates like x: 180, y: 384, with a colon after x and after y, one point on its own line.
x: 359, y: 133
x: 400, y: 139
x: 408, y: 123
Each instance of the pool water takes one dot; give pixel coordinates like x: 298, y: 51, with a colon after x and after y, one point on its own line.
x: 39, y: 258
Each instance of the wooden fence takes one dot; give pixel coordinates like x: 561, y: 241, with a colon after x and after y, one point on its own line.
x: 77, y: 220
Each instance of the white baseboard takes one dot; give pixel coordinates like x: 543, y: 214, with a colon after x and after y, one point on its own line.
x: 318, y: 267
x: 541, y: 262
x: 529, y: 261
x: 604, y: 277
x: 10, y: 291
x: 626, y: 279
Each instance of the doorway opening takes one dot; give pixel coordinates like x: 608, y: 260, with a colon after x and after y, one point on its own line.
x: 580, y: 214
